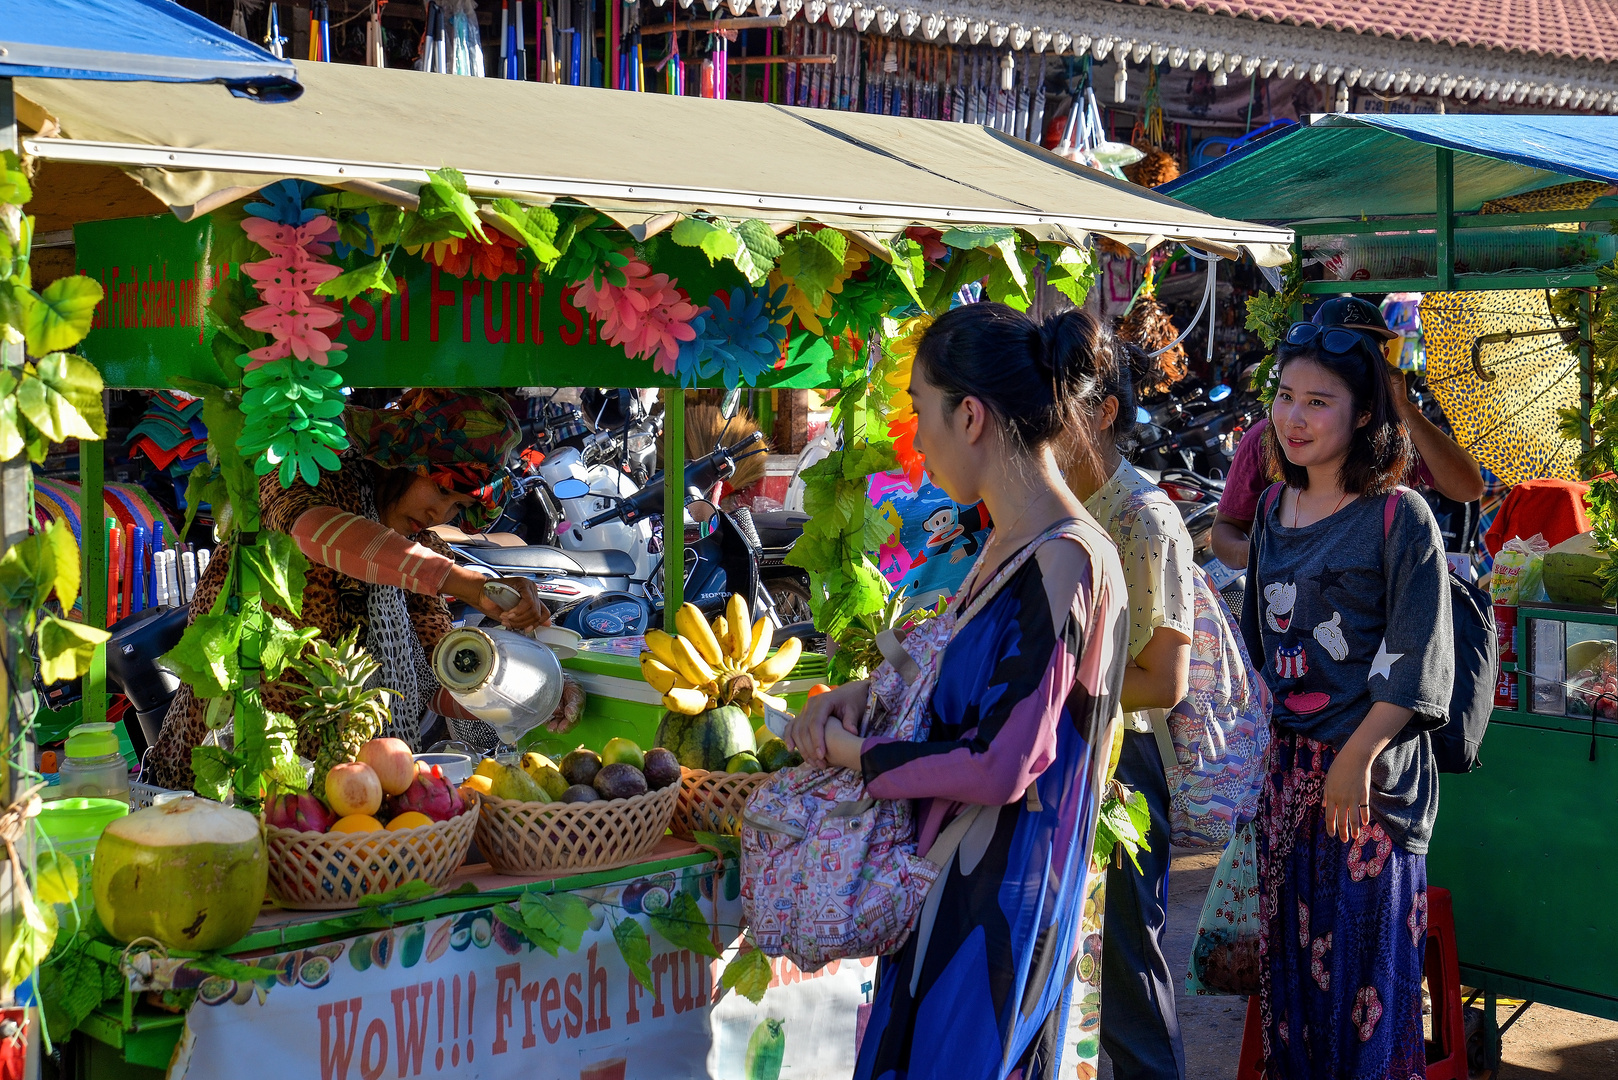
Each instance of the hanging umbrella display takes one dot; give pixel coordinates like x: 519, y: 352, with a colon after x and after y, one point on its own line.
x: 1503, y: 376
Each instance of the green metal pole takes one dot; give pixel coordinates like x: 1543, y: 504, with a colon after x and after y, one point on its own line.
x: 93, y: 522
x: 673, y: 504
x: 1446, y: 218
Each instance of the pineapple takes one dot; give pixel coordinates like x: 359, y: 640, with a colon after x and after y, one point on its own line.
x: 343, y: 713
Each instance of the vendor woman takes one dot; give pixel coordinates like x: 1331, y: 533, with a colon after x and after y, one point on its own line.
x: 431, y: 458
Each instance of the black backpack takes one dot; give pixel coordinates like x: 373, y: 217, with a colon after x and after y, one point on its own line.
x: 1477, y: 660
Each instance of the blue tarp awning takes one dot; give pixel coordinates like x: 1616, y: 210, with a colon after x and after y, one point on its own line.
x: 1377, y: 166
x: 127, y: 40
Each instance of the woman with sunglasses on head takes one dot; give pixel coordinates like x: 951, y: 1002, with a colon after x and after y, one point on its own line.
x: 1439, y: 463
x: 431, y: 458
x: 1348, y: 607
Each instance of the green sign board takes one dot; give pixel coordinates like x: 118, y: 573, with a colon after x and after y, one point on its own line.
x: 438, y: 330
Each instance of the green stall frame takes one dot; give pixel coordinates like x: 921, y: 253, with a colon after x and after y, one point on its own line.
x: 1516, y: 839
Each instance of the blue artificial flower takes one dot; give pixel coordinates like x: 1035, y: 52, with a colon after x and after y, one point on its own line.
x: 283, y: 202
x: 694, y: 353
x: 363, y: 220
x: 745, y: 338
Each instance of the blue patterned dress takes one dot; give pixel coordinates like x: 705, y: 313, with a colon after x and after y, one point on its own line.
x: 1026, y: 695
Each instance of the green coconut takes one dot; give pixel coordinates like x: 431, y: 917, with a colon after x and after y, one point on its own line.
x: 190, y: 873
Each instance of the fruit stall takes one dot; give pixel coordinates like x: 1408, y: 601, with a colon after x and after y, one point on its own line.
x: 310, y: 250
x: 1489, y: 214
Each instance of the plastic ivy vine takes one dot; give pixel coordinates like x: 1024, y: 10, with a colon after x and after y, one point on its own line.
x: 47, y: 395
x: 1601, y: 426
x: 1269, y: 315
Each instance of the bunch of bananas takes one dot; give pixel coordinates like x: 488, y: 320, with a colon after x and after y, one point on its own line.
x: 723, y: 663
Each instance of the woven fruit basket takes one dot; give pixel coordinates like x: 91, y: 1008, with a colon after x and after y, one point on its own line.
x: 315, y: 871
x: 541, y: 838
x: 713, y: 801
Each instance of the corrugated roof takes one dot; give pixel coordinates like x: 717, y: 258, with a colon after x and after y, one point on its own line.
x: 1575, y: 29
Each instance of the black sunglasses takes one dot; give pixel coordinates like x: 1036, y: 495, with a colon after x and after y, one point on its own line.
x: 1333, y: 340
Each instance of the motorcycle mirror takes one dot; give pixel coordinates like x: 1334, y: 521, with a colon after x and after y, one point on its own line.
x: 570, y: 488
x: 731, y: 401
x: 1142, y: 416
x: 1219, y: 393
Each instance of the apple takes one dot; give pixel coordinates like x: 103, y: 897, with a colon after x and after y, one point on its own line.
x: 395, y: 765
x: 353, y: 788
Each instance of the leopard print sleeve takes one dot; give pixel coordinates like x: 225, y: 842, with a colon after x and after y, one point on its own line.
x: 280, y: 507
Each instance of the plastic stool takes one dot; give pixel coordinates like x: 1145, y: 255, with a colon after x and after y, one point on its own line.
x: 1446, y: 1050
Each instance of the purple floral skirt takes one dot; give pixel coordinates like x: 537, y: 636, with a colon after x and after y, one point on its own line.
x: 1342, y: 935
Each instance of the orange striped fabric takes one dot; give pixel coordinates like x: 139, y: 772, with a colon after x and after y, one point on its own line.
x: 369, y: 551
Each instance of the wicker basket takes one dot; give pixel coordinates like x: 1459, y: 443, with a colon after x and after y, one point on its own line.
x: 315, y: 871
x: 541, y: 838
x: 713, y: 801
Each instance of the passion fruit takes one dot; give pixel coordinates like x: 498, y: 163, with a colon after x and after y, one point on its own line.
x: 315, y: 972
x: 216, y: 990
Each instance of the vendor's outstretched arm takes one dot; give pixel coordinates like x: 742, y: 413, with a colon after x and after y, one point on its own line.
x: 370, y: 551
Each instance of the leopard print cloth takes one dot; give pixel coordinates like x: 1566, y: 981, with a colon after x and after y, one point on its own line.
x: 333, y: 602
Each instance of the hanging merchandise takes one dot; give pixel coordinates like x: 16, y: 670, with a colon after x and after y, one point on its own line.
x: 375, y: 52
x: 1158, y: 165
x: 273, y: 41
x: 320, y: 30
x: 1086, y: 142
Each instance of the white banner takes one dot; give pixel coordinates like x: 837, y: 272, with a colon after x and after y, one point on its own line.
x: 465, y: 995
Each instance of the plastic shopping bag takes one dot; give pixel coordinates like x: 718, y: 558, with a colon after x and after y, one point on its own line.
x: 1224, y: 958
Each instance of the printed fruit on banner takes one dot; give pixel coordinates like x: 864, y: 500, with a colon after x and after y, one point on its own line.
x: 727, y: 662
x: 190, y: 873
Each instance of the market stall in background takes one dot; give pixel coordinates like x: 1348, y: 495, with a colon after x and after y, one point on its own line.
x: 319, y: 250
x: 1503, y: 226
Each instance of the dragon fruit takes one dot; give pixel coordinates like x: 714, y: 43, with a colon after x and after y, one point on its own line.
x: 430, y: 793
x: 301, y: 811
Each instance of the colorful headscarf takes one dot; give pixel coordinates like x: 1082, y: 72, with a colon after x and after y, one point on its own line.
x: 462, y: 439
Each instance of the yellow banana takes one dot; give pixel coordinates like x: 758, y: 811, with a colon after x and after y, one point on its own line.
x: 761, y: 644
x: 661, y: 645
x: 741, y: 643
x: 721, y: 633
x: 761, y: 698
x: 695, y: 629
x: 688, y: 663
x: 776, y: 667
x: 658, y: 676
x: 685, y: 700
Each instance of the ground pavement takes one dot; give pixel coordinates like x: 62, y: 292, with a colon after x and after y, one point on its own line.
x: 1546, y: 1042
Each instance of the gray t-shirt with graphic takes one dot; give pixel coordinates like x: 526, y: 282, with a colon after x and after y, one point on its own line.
x: 1339, y: 618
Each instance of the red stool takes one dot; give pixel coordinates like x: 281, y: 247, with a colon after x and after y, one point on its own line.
x: 1446, y: 1050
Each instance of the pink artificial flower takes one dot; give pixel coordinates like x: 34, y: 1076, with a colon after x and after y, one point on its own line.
x: 648, y: 315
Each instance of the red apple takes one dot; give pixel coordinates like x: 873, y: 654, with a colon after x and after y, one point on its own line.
x: 395, y: 765
x: 353, y: 788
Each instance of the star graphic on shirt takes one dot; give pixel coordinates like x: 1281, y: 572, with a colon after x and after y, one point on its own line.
x: 1328, y: 578
x: 1383, y: 664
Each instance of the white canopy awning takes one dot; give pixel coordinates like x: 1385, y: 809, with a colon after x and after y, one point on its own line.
x: 637, y: 157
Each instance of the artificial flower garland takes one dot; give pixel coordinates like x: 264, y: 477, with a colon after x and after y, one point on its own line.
x: 292, y: 399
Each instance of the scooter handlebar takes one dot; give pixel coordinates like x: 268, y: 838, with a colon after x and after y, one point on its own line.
x: 700, y: 475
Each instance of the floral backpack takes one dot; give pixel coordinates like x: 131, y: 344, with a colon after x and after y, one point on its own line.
x: 1219, y: 732
x: 828, y: 872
